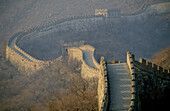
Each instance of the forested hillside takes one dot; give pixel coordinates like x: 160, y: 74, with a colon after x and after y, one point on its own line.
x: 162, y: 58
x: 57, y: 87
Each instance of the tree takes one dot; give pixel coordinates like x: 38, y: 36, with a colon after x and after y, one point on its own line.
x: 81, y: 96
x: 162, y: 58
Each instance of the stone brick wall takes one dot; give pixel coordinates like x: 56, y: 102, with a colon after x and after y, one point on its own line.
x: 87, y: 72
x: 152, y: 85
x: 152, y: 68
x: 75, y: 53
x: 78, y: 23
x: 92, y: 49
x: 148, y: 9
x: 23, y: 65
x: 103, y: 12
x: 152, y: 91
x: 103, y: 96
x: 130, y: 62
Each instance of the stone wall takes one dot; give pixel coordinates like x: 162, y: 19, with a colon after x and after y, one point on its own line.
x: 152, y: 68
x: 130, y: 62
x: 148, y: 10
x: 28, y: 64
x: 75, y: 53
x: 23, y: 65
x: 87, y: 72
x: 103, y: 12
x: 151, y: 84
x: 103, y: 96
x: 92, y: 49
x: 79, y: 23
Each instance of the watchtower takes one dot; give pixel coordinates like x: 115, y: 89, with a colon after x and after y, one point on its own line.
x: 66, y: 45
x: 103, y: 12
x: 108, y: 12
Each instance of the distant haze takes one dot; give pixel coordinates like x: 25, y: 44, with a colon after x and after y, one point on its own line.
x: 19, y: 15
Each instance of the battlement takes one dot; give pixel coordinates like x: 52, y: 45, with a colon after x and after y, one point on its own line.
x: 149, y: 66
x: 107, y: 12
x: 103, y: 12
x: 103, y: 91
x: 27, y: 64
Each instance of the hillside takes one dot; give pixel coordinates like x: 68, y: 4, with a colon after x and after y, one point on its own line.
x: 47, y: 89
x: 111, y: 39
x: 18, y: 15
x: 162, y: 58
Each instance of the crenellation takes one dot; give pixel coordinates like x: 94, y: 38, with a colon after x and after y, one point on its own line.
x: 103, y: 96
x: 160, y: 69
x: 23, y: 65
x: 142, y: 61
x: 103, y: 12
x: 165, y: 70
x: 149, y: 66
x: 131, y: 61
x: 154, y: 66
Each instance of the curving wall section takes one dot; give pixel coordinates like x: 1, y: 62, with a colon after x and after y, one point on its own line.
x: 27, y: 64
x: 87, y: 72
x: 91, y: 49
x: 77, y: 23
x: 24, y: 66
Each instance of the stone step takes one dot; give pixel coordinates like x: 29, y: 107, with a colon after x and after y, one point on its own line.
x: 119, y: 87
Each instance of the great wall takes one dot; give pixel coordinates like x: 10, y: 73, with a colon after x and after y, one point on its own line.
x: 131, y: 79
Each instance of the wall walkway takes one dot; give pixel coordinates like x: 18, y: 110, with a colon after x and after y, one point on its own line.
x: 89, y: 68
x: 120, y: 92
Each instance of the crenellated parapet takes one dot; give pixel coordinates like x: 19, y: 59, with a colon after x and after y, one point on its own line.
x: 23, y: 65
x: 24, y: 62
x: 130, y: 62
x: 150, y: 67
x: 103, y: 93
x: 146, y: 79
x: 77, y: 23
